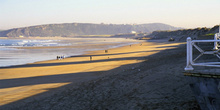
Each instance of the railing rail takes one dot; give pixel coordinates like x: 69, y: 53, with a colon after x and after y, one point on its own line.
x: 190, y: 62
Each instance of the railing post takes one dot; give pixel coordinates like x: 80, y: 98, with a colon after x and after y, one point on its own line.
x: 189, y: 55
x: 215, y: 43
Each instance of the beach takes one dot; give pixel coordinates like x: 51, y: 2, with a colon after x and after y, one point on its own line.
x: 147, y: 75
x: 19, y: 51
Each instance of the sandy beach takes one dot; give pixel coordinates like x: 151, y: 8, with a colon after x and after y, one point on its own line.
x: 143, y: 76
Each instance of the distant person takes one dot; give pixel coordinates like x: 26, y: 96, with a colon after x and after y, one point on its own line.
x: 106, y: 51
x: 58, y: 57
x: 90, y: 58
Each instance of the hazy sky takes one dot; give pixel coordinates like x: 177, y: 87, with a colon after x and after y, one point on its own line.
x: 179, y: 13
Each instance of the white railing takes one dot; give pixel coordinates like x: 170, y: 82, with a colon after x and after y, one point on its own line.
x: 190, y: 62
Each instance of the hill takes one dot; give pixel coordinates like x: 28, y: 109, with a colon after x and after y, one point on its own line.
x: 181, y: 35
x: 76, y: 29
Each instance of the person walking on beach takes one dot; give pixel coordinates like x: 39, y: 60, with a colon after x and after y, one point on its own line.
x: 106, y: 51
x: 90, y: 58
x: 58, y: 57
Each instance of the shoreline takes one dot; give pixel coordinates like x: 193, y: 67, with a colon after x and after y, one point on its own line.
x: 88, y: 47
x: 51, y: 80
x: 82, y: 54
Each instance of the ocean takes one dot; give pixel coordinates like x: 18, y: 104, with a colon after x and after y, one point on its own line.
x: 24, y: 51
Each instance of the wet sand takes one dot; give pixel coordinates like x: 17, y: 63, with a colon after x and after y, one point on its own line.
x: 140, y: 76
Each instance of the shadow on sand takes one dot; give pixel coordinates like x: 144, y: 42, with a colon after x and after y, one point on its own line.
x: 82, y: 77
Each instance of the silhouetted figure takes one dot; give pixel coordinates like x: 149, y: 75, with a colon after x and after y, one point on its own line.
x: 58, y: 57
x: 106, y: 51
x: 90, y: 58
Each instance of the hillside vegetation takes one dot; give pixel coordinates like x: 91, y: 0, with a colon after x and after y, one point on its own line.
x: 77, y: 29
x: 181, y: 35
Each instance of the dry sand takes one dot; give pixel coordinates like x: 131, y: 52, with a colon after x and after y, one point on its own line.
x: 140, y: 76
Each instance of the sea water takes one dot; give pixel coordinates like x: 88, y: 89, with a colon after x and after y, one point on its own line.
x: 13, y: 51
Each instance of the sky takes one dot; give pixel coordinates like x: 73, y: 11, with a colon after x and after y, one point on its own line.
x: 178, y: 13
